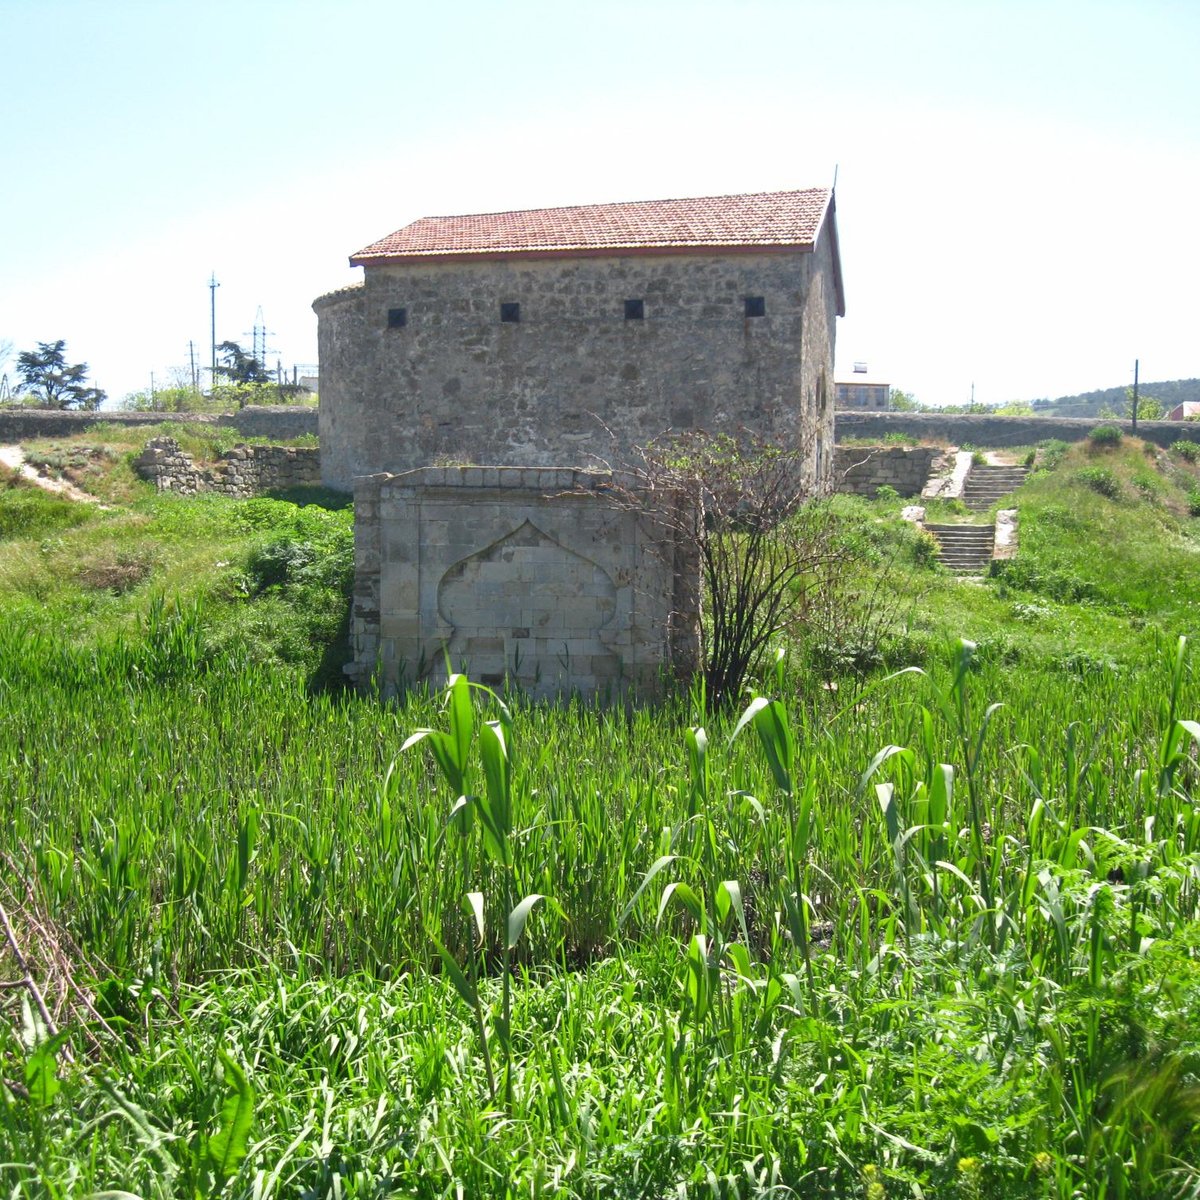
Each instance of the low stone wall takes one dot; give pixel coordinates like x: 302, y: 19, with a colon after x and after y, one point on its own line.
x: 533, y: 575
x: 862, y: 470
x: 243, y: 471
x: 280, y: 421
x: 994, y: 432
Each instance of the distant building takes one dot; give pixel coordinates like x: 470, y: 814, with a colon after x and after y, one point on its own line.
x: 863, y: 393
x: 1189, y: 410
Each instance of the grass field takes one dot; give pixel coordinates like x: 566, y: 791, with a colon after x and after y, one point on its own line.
x: 881, y: 932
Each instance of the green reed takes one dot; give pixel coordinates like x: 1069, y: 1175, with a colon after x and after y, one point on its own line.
x: 965, y: 884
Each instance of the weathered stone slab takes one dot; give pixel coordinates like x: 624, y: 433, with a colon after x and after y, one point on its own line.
x: 534, y: 577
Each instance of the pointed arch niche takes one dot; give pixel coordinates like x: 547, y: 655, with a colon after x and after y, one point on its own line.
x: 529, y: 607
x: 521, y: 574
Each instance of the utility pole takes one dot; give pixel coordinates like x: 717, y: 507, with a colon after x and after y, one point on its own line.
x: 212, y: 288
x: 1135, y: 394
x: 192, y: 360
x: 259, y: 336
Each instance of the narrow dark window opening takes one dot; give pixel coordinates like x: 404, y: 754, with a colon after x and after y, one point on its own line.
x: 397, y: 318
x: 756, y: 306
x: 635, y: 310
x: 510, y: 312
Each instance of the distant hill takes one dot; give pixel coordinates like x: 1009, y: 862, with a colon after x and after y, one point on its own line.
x: 1089, y: 404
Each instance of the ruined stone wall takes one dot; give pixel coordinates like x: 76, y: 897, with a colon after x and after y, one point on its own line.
x: 277, y: 421
x: 862, y: 470
x: 980, y: 429
x: 243, y: 471
x: 529, y: 574
x: 281, y: 422
x: 574, y: 382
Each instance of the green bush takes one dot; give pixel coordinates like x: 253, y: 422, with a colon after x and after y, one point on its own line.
x: 886, y: 492
x: 1101, y: 480
x: 925, y: 549
x: 1105, y: 435
x: 1193, y: 502
x: 1022, y: 574
x: 1051, y: 451
x: 1187, y: 450
x: 943, y: 510
x: 1149, y: 486
x: 833, y: 658
x: 29, y: 512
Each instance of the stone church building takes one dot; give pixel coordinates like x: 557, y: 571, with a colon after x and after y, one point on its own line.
x: 488, y: 368
x: 565, y: 337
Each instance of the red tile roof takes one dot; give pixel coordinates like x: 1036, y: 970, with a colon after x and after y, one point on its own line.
x: 767, y: 220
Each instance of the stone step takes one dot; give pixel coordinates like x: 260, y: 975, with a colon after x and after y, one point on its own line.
x: 986, y: 484
x: 964, y: 548
x: 979, y: 532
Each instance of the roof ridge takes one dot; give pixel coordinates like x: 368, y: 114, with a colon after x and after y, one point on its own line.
x: 514, y: 212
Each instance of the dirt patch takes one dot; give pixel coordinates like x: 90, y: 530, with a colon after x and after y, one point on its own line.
x: 13, y: 458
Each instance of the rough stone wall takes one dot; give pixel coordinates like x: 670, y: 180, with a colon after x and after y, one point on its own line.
x: 573, y: 382
x: 280, y: 421
x: 997, y: 432
x: 243, y: 471
x: 862, y: 470
x: 526, y: 573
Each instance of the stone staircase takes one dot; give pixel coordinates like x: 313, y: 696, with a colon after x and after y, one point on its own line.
x: 986, y: 484
x: 965, y: 549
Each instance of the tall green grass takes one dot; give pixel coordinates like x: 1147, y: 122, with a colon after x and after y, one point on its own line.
x: 943, y: 938
x: 928, y: 934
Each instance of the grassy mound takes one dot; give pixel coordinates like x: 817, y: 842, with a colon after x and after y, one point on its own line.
x: 271, y: 575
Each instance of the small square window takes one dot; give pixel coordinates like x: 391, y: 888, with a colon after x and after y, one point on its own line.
x: 397, y: 318
x: 510, y: 312
x: 756, y: 306
x: 635, y: 310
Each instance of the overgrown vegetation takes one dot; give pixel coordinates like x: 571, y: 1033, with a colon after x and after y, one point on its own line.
x: 929, y: 934
x: 272, y: 575
x: 1105, y: 435
x: 746, y: 514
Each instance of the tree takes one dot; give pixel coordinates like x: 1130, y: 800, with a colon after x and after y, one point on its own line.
x: 239, y: 367
x: 1148, y: 407
x: 903, y: 401
x: 46, y: 376
x: 762, y: 548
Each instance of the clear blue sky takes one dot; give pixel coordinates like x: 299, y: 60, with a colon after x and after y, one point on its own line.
x: 1018, y: 183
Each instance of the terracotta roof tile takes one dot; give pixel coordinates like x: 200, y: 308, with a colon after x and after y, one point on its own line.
x: 766, y: 219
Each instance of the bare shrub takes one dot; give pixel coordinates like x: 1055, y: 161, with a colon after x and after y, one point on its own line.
x: 763, y: 541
